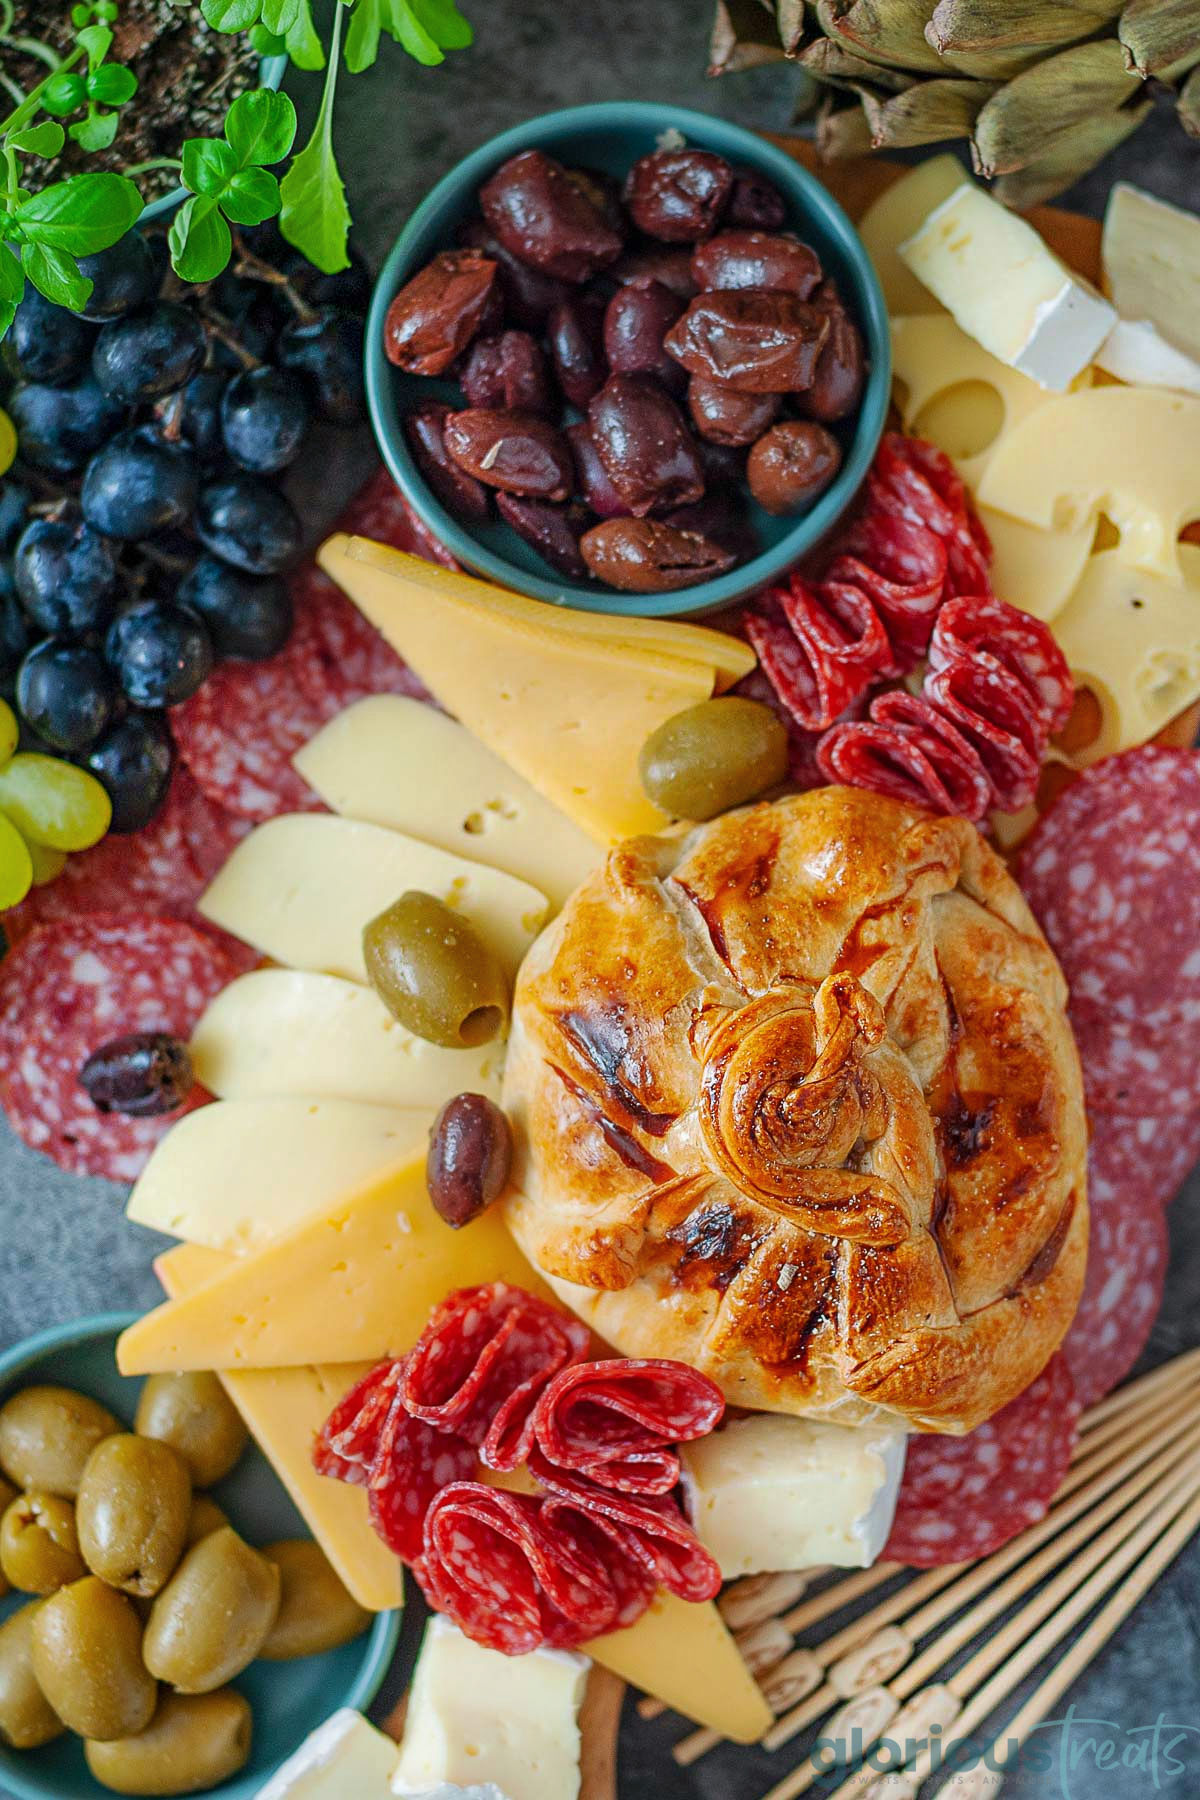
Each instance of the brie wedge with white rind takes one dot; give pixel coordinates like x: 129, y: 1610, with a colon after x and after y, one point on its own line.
x: 1151, y: 259
x: 774, y: 1493
x: 343, y: 1759
x: 1135, y: 351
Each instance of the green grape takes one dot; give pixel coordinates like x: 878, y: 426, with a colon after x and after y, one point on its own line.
x: 48, y: 865
x: 16, y: 866
x: 54, y: 804
x: 9, y: 732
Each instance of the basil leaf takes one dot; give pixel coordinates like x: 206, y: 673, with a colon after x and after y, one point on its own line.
x: 444, y: 23
x: 46, y: 139
x: 261, y: 127
x: 362, y: 39
x: 12, y: 276
x: 97, y: 41
x: 303, y: 45
x: 56, y: 275
x: 280, y: 15
x: 199, y: 240
x: 251, y: 197
x: 96, y: 132
x: 315, y: 216
x: 231, y: 15
x: 208, y: 164
x: 408, y: 30
x: 81, y: 215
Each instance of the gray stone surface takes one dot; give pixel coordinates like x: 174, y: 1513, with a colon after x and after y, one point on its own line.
x: 65, y: 1249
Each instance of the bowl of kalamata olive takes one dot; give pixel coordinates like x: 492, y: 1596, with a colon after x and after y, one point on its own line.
x: 629, y: 358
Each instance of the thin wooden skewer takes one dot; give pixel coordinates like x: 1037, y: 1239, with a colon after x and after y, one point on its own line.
x: 1184, y: 1367
x: 1114, y: 1428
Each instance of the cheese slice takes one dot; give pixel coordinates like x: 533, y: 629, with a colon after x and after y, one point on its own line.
x: 300, y: 889
x: 897, y: 213
x: 1032, y: 568
x: 399, y: 763
x: 1151, y: 258
x: 509, y: 1720
x: 357, y: 1281
x: 1135, y: 351
x: 343, y: 1759
x: 1007, y: 288
x: 684, y: 1655
x: 284, y: 1032
x: 234, y: 1175
x: 566, y: 709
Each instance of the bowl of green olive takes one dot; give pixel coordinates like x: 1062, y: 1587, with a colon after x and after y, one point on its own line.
x: 167, y: 1624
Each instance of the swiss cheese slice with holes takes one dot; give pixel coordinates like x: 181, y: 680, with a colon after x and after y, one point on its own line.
x: 285, y: 1032
x: 301, y: 888
x: 399, y: 763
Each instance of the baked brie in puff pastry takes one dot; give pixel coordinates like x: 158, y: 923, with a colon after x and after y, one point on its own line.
x: 796, y: 1102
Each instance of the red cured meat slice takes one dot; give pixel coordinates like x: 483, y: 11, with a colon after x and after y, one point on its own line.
x: 413, y: 1464
x: 840, y: 632
x: 615, y: 1421
x: 75, y: 984
x: 630, y: 1568
x: 953, y: 758
x: 961, y: 1498
x: 1147, y: 1159
x: 908, y: 751
x: 1151, y: 1068
x: 995, y: 712
x: 657, y: 1527
x: 923, y: 483
x: 901, y: 566
x: 978, y: 623
x: 348, y: 1442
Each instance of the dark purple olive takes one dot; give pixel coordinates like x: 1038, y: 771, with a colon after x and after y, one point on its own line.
x: 760, y: 341
x: 648, y: 556
x: 636, y: 321
x: 671, y: 268
x: 143, y: 1075
x: 519, y: 452
x: 643, y: 441
x: 837, y: 386
x: 547, y: 219
x: 470, y: 1154
x: 575, y: 334
x: 528, y: 294
x: 603, y: 191
x: 721, y: 519
x: 553, y: 531
x: 458, y: 492
x: 435, y: 315
x: 791, y: 464
x: 725, y: 416
x: 678, y: 195
x: 597, y: 490
x: 755, y: 204
x: 756, y: 259
x: 508, y: 370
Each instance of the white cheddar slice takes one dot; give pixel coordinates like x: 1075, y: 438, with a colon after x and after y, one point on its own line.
x: 397, y: 762
x: 343, y: 1759
x: 1007, y: 288
x: 1151, y: 258
x: 897, y: 213
x: 1135, y: 351
x: 234, y: 1175
x: 768, y: 1492
x: 301, y: 888
x: 284, y: 1032
x: 474, y: 1713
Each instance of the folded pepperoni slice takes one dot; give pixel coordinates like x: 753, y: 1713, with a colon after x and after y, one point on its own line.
x: 656, y: 1526
x: 993, y: 709
x: 616, y: 1421
x: 629, y: 1566
x: 1025, y: 646
x: 413, y: 1464
x: 900, y: 565
x: 920, y: 481
x: 886, y: 759
x: 954, y: 760
x: 348, y: 1442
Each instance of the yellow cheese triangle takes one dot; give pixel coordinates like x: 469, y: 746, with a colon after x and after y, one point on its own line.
x: 568, y: 707
x: 352, y: 1283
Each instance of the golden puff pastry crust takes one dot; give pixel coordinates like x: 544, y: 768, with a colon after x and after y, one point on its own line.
x: 796, y: 1102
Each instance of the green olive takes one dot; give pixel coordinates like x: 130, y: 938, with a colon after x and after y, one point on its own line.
x: 8, y: 1494
x: 195, y: 1415
x: 435, y: 974
x: 46, y: 1436
x: 135, y: 1501
x: 206, y: 1516
x: 27, y: 1720
x: 39, y: 1548
x: 315, y: 1611
x: 87, y: 1656
x: 715, y: 755
x: 194, y: 1742
x: 213, y: 1616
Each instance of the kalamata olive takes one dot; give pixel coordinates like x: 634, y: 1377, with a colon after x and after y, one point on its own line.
x: 87, y: 1657
x: 213, y: 1616
x: 643, y: 441
x: 458, y: 492
x: 519, y: 452
x: 718, y: 754
x: 670, y: 268
x: 791, y: 464
x: 47, y: 1435
x: 725, y: 415
x: 27, y: 1719
x: 575, y: 334
x: 142, y: 1075
x: 545, y: 218
x: 470, y: 1154
x: 204, y: 1517
x: 435, y: 315
x: 761, y: 342
x: 636, y: 321
x: 724, y: 465
x: 528, y: 295
x: 39, y: 1549
x: 135, y: 1500
x: 720, y: 517
x: 315, y: 1611
x: 193, y: 1743
x: 598, y: 491
x: 434, y: 973
x: 841, y: 367
x: 756, y: 259
x: 648, y: 556
x: 193, y: 1413
x: 603, y: 191
x: 507, y: 370
x: 755, y: 204
x: 678, y: 195
x: 553, y: 531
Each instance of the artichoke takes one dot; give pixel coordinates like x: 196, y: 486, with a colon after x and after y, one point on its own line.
x: 1041, y: 89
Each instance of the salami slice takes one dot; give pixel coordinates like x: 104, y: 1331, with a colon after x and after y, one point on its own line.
x: 616, y: 1421
x: 348, y: 1442
x: 75, y: 984
x: 1148, y: 1159
x: 655, y: 1524
x: 1150, y: 1068
x: 954, y: 760
x: 961, y: 1498
x: 413, y: 1464
x: 921, y: 481
x: 995, y: 711
x: 900, y: 565
x: 968, y: 626
x: 803, y: 770
x: 907, y: 750
x: 631, y: 1570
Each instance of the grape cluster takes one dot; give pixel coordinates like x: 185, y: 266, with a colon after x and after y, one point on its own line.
x: 142, y: 534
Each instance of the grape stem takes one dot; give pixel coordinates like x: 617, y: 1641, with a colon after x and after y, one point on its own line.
x: 255, y: 269
x: 218, y: 326
x: 170, y: 417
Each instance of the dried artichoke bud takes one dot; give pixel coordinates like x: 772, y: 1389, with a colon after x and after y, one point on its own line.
x: 886, y: 31
x: 1025, y: 120
x: 1161, y: 36
x: 793, y: 24
x: 744, y: 36
x: 1028, y: 27
x: 842, y: 134
x: 930, y: 112
x: 1189, y: 104
x: 1071, y: 156
x: 840, y: 66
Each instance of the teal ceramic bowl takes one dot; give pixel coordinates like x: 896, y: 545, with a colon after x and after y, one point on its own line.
x: 288, y: 1699
x: 611, y: 137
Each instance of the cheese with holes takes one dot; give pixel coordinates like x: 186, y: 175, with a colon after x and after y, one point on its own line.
x: 300, y: 889
x: 897, y: 213
x: 1135, y: 351
x: 1035, y: 569
x: 1151, y: 259
x: 767, y: 1492
x: 684, y: 1656
x: 343, y: 1759
x: 352, y: 1283
x: 396, y: 762
x: 1007, y: 288
x: 234, y: 1175
x: 284, y: 1032
x: 568, y: 709
x: 476, y: 1715
x: 1131, y: 454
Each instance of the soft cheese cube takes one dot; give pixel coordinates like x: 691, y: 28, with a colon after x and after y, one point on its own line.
x: 1151, y: 259
x: 1007, y: 289
x: 770, y: 1492
x: 344, y: 1757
